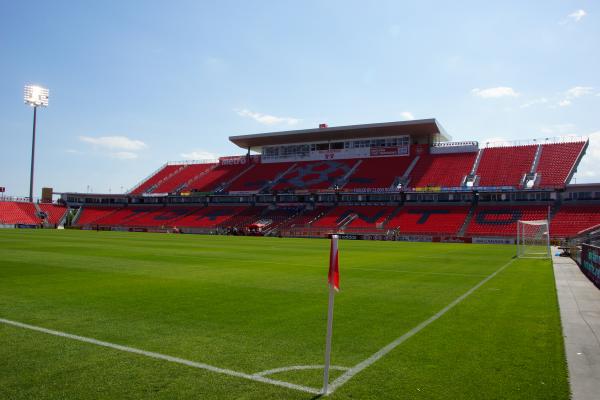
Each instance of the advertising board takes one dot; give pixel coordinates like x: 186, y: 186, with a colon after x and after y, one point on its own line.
x: 590, y: 263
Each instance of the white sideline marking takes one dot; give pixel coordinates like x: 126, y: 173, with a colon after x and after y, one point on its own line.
x: 298, y: 368
x: 257, y: 378
x: 385, y: 350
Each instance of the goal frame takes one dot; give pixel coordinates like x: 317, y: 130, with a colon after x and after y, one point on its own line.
x: 541, y: 241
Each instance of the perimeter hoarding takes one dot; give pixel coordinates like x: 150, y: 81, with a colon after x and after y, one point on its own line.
x: 590, y: 263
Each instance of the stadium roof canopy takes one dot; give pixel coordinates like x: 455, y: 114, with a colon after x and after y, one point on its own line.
x: 423, y: 130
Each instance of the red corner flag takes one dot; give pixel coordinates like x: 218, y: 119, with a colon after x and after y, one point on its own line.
x: 334, y: 267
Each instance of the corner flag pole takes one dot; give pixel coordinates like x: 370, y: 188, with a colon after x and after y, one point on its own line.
x: 334, y: 286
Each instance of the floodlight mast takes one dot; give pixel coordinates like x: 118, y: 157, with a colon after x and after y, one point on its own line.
x: 35, y: 96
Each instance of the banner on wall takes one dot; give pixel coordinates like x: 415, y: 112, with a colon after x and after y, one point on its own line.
x: 590, y: 263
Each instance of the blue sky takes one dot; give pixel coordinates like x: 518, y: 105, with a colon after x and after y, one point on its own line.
x: 134, y: 84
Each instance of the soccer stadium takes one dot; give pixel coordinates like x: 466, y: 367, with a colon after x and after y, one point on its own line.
x: 376, y: 260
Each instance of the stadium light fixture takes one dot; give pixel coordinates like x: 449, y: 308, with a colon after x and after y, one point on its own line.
x: 34, y: 96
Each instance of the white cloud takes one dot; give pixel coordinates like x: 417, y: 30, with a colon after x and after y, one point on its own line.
x: 495, y: 92
x: 407, y: 115
x: 541, y: 100
x: 573, y: 93
x: 114, y: 142
x: 578, y: 91
x: 267, y: 119
x: 199, y: 155
x: 577, y: 15
x: 124, y: 155
x: 588, y: 168
x: 564, y: 103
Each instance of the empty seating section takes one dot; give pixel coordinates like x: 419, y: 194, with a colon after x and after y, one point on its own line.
x: 502, y: 220
x: 355, y: 217
x: 378, y: 172
x: 570, y: 219
x: 12, y: 212
x: 182, y: 176
x: 89, y: 215
x: 276, y: 217
x: 429, y: 219
x: 259, y: 176
x: 556, y: 162
x: 446, y: 170
x: 121, y: 217
x: 209, y: 217
x: 305, y: 217
x: 505, y: 166
x: 159, y: 217
x: 315, y: 175
x: 243, y: 218
x: 163, y: 173
x: 215, y: 177
x: 54, y: 212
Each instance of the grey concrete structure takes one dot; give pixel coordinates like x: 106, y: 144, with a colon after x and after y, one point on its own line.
x: 579, y: 302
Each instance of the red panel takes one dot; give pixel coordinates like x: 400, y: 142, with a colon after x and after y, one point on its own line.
x: 430, y: 219
x: 571, y: 219
x: 446, y: 170
x: 505, y: 166
x: 502, y: 220
x: 556, y: 161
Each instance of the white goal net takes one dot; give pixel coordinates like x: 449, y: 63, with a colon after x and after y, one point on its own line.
x: 533, y: 239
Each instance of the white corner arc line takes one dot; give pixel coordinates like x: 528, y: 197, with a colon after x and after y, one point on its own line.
x: 298, y: 368
x: 345, y: 377
x: 224, y: 371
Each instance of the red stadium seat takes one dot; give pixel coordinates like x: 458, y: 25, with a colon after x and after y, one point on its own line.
x: 429, y: 219
x: 505, y: 166
x: 14, y: 212
x: 54, y: 212
x: 502, y: 220
x: 557, y: 161
x: 571, y: 219
x: 445, y: 170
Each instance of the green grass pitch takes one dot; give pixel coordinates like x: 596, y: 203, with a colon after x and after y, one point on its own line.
x: 252, y: 304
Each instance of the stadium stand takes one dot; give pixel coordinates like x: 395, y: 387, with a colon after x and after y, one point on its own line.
x: 304, y: 217
x: 355, y: 217
x: 89, y: 215
x: 243, y: 218
x: 399, y: 178
x: 209, y: 217
x: 159, y: 217
x: 273, y: 218
x: 378, y: 172
x: 444, y: 170
x: 429, y: 219
x: 505, y: 166
x: 557, y: 162
x: 315, y: 175
x: 571, y: 219
x: 214, y: 178
x: 13, y: 212
x: 54, y: 212
x: 259, y: 176
x: 183, y: 175
x: 502, y: 220
x: 122, y: 216
x: 155, y: 179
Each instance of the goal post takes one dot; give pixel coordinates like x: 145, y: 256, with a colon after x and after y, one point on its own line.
x: 533, y: 239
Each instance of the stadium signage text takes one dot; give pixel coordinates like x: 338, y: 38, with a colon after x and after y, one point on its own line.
x: 590, y: 263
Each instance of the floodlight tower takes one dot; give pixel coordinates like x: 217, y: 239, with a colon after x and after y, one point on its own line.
x: 35, y: 96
